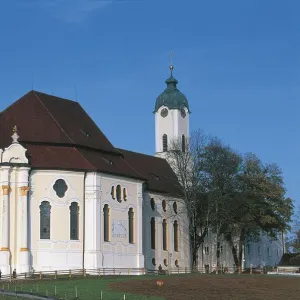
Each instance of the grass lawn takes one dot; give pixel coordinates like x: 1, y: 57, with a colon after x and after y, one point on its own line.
x: 176, y: 287
x: 87, y: 289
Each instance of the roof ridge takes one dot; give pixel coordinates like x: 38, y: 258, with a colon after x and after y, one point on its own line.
x: 84, y: 157
x: 153, y: 156
x: 54, y: 119
x: 130, y: 165
x: 61, y: 98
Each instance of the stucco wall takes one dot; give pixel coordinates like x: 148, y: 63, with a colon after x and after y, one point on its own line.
x: 183, y: 255
x: 59, y: 252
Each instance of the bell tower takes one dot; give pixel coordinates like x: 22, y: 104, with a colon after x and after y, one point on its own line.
x: 172, y: 114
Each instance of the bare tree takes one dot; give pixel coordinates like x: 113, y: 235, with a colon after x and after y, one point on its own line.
x: 186, y: 159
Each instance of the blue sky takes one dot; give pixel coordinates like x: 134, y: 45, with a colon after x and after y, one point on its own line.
x: 238, y: 62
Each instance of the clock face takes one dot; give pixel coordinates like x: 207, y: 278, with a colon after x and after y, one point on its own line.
x: 183, y: 113
x: 164, y: 113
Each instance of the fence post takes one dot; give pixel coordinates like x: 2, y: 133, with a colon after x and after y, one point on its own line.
x: 84, y: 272
x: 41, y: 275
x: 128, y: 271
x: 70, y: 273
x: 55, y: 274
x: 99, y: 272
x: 25, y: 275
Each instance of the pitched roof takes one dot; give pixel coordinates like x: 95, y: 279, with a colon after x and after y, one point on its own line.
x: 160, y: 176
x: 59, y: 134
x: 42, y: 118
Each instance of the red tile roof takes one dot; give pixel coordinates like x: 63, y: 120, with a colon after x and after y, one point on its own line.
x: 160, y: 176
x: 42, y: 118
x: 59, y: 134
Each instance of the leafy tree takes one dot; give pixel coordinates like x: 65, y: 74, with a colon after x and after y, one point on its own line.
x: 259, y: 206
x: 221, y: 166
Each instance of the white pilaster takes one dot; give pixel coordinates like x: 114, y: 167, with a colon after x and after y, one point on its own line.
x: 4, y: 255
x: 23, y: 254
x: 93, y: 216
x: 139, y: 226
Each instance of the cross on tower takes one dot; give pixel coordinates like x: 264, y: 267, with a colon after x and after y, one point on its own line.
x: 171, y: 60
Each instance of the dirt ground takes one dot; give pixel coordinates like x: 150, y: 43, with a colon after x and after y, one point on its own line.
x: 211, y: 287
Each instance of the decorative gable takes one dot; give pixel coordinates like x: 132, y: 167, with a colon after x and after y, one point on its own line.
x: 15, y: 153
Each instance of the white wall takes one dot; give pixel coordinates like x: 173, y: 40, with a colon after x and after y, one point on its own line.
x: 117, y: 252
x: 59, y: 252
x: 183, y: 255
x: 173, y: 125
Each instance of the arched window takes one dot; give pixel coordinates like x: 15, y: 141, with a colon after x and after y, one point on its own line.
x: 175, y: 207
x: 165, y: 262
x: 153, y: 261
x: 119, y: 193
x: 164, y: 205
x: 74, y: 220
x: 106, y: 223
x: 153, y: 233
x: 113, y: 193
x: 165, y: 234
x: 165, y: 142
x: 125, y: 194
x: 183, y: 143
x: 152, y: 203
x: 45, y: 211
x: 131, y: 225
x: 175, y: 225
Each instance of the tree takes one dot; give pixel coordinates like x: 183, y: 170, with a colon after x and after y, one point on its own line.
x: 221, y: 166
x: 259, y: 206
x: 189, y: 168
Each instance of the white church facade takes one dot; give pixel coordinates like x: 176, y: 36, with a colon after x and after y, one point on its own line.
x: 71, y: 200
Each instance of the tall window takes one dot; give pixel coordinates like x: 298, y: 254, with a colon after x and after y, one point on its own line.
x: 106, y: 222
x: 175, y: 236
x: 165, y: 235
x: 164, y: 205
x: 183, y: 143
x: 153, y: 233
x: 45, y: 210
x: 131, y: 225
x: 119, y: 193
x: 74, y: 220
x: 165, y: 142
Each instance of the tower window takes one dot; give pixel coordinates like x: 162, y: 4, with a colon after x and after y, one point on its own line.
x: 183, y: 143
x: 165, y: 142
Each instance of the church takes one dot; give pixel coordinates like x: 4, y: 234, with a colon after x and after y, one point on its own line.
x: 71, y: 200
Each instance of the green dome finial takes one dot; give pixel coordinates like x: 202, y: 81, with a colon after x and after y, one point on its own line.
x: 171, y: 97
